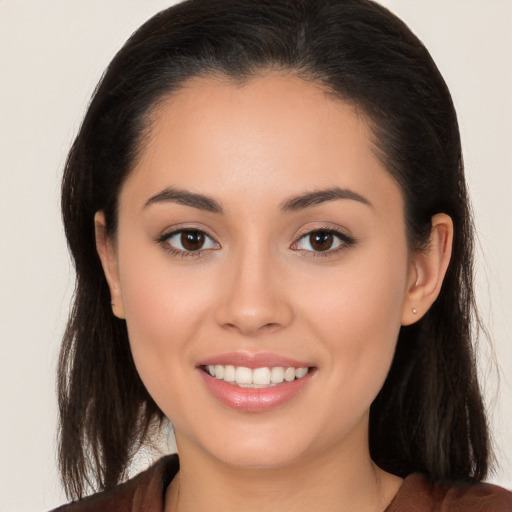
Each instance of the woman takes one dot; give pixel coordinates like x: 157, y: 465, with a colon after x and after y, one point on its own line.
x: 267, y: 210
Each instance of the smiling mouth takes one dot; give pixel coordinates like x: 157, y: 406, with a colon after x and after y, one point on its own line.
x: 264, y: 377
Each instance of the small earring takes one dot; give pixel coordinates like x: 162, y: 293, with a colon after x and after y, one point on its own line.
x: 414, y: 311
x: 112, y: 303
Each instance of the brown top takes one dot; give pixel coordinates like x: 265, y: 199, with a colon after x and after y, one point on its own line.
x: 146, y: 492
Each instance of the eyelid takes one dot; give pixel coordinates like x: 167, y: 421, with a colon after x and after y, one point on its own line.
x: 163, y: 239
x: 170, y: 230
x: 345, y: 239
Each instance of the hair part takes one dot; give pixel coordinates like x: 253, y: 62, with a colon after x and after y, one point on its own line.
x: 429, y: 415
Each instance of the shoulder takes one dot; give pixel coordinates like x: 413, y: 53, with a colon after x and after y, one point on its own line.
x: 143, y: 492
x: 417, y: 494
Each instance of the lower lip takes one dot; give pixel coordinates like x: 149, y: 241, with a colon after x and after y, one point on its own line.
x: 254, y: 399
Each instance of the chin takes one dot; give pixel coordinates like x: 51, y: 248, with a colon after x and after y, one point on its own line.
x: 257, y: 458
x: 257, y: 450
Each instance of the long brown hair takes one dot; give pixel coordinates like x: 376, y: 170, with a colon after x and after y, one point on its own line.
x: 429, y: 415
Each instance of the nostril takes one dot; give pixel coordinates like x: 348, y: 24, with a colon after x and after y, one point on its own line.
x: 270, y: 326
x: 251, y: 328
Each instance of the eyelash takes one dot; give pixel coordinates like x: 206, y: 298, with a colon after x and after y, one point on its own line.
x: 164, y: 242
x: 344, y: 240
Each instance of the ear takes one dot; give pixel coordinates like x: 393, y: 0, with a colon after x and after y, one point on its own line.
x: 107, y: 254
x: 428, y: 269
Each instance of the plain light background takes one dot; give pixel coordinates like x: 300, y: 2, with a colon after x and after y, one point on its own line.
x: 52, y: 54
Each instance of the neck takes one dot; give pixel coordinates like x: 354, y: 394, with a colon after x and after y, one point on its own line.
x: 329, y: 481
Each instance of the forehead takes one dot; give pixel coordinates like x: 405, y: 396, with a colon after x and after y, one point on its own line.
x: 277, y: 130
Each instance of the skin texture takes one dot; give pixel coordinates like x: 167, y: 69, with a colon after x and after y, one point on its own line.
x: 258, y: 287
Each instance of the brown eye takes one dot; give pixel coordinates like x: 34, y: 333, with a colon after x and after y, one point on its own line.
x: 188, y: 241
x: 192, y: 240
x: 321, y: 240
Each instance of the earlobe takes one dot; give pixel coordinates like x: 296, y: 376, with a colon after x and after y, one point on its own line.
x: 428, y: 269
x: 106, y: 252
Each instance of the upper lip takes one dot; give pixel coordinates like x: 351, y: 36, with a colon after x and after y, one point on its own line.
x: 251, y: 360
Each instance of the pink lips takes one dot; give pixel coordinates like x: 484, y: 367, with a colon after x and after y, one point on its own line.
x: 254, y: 399
x: 254, y: 360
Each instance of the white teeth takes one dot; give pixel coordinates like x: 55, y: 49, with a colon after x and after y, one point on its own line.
x: 229, y: 373
x: 257, y: 378
x: 277, y: 375
x: 243, y: 375
x: 261, y: 376
x: 289, y: 374
x: 219, y: 371
x: 301, y: 372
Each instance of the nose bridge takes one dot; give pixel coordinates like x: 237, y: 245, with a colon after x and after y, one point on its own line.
x: 254, y: 298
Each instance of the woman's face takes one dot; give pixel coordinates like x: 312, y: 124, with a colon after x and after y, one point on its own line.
x: 259, y: 231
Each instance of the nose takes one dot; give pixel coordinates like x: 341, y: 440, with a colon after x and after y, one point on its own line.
x: 254, y: 298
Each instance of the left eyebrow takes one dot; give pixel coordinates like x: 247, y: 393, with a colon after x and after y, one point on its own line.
x: 317, y: 197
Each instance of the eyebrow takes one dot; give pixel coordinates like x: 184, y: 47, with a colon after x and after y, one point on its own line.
x: 301, y: 202
x: 186, y: 198
x: 317, y: 197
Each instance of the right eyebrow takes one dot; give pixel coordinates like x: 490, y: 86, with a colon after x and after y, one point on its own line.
x: 185, y: 197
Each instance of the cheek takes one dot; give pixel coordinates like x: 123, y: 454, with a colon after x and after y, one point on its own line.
x: 358, y: 315
x: 160, y: 298
x: 164, y: 310
x: 364, y: 293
